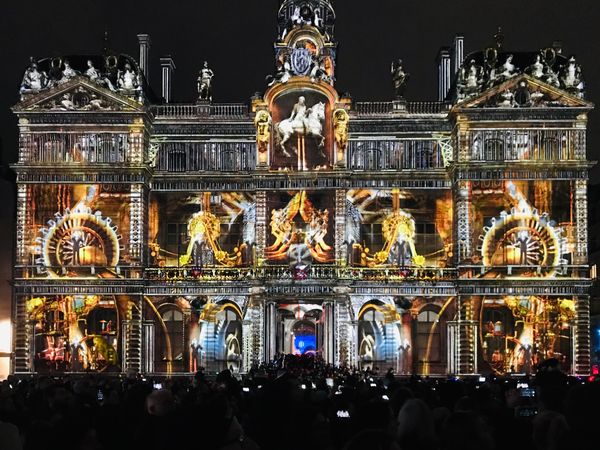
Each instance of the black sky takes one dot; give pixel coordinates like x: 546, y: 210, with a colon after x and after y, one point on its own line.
x: 236, y: 37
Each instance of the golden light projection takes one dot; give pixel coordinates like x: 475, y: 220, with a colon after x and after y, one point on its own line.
x: 204, y: 228
x: 75, y: 332
x: 517, y: 332
x: 398, y: 230
x: 523, y: 237
x: 299, y: 222
x: 79, y: 237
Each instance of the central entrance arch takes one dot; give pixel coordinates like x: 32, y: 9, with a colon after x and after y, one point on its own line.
x: 300, y: 330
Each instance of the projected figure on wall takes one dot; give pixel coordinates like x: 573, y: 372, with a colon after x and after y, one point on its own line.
x: 303, y: 122
x: 299, y: 223
x: 523, y: 243
x: 76, y: 242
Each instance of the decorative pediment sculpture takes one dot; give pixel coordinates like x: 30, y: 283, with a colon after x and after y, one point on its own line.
x: 470, y: 80
x: 34, y: 80
x: 116, y: 73
x: 78, y: 94
x: 572, y: 79
x: 525, y: 91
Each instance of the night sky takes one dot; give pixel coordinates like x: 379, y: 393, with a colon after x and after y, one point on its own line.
x: 236, y: 37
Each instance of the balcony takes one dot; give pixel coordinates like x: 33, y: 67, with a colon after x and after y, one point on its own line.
x: 388, y: 109
x: 394, y: 155
x: 76, y: 148
x: 206, y: 157
x: 284, y: 273
x: 196, y: 111
x: 526, y: 145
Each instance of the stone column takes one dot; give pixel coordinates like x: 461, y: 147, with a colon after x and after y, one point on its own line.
x: 467, y: 337
x: 581, y: 337
x: 462, y: 220
x: 23, y: 201
x: 341, y: 250
x: 270, y: 330
x: 581, y: 222
x: 329, y: 331
x: 261, y: 227
x: 137, y: 216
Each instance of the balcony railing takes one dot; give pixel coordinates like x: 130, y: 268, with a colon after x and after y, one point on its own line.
x: 373, y: 108
x: 317, y: 272
x: 366, y: 109
x: 394, y: 155
x: 206, y: 156
x: 194, y: 111
x: 526, y: 145
x: 81, y: 148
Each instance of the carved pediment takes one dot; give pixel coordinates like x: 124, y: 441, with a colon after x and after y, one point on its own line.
x: 524, y: 91
x: 77, y: 95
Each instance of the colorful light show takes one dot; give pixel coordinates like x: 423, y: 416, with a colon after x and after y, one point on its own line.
x: 435, y: 238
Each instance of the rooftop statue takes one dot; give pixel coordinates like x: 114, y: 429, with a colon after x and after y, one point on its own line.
x: 318, y: 70
x: 509, y: 68
x: 283, y: 73
x: 470, y: 80
x: 205, y: 82
x: 572, y: 78
x: 128, y: 80
x: 95, y: 76
x: 34, y: 80
x: 537, y: 68
x: 67, y: 73
x: 400, y: 78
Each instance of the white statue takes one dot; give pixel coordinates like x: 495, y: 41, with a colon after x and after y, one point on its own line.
x: 318, y: 70
x: 537, y: 68
x: 34, y: 80
x: 318, y: 20
x: 128, y: 80
x: 509, y: 68
x: 283, y: 74
x: 304, y: 122
x: 572, y: 79
x: 507, y: 99
x: 95, y: 76
x: 67, y: 102
x: 473, y: 77
x: 67, y: 73
x: 296, y: 17
x: 205, y: 82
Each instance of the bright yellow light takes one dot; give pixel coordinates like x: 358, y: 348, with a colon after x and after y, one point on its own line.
x: 5, y: 336
x: 5, y: 345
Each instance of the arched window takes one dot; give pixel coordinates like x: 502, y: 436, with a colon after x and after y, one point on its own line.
x: 173, y: 319
x: 428, y: 335
x: 176, y: 158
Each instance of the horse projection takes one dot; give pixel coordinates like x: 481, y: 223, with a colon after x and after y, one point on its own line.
x: 301, y: 135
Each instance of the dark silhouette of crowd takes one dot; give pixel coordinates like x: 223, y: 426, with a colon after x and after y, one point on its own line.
x: 300, y: 403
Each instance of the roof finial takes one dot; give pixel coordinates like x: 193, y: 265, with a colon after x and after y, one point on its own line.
x: 499, y: 38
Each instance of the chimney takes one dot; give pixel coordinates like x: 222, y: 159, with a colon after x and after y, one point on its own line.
x: 144, y: 41
x: 458, y: 53
x: 444, y: 77
x: 167, y: 66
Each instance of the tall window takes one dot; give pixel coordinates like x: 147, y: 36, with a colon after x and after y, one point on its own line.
x: 173, y: 319
x: 428, y: 325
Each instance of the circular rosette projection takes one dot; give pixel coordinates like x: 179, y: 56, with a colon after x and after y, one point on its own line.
x: 79, y: 238
x: 528, y: 242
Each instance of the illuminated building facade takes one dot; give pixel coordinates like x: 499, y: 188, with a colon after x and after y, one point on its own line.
x: 430, y: 237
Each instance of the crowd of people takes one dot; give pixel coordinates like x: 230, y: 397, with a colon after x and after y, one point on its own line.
x: 299, y: 402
